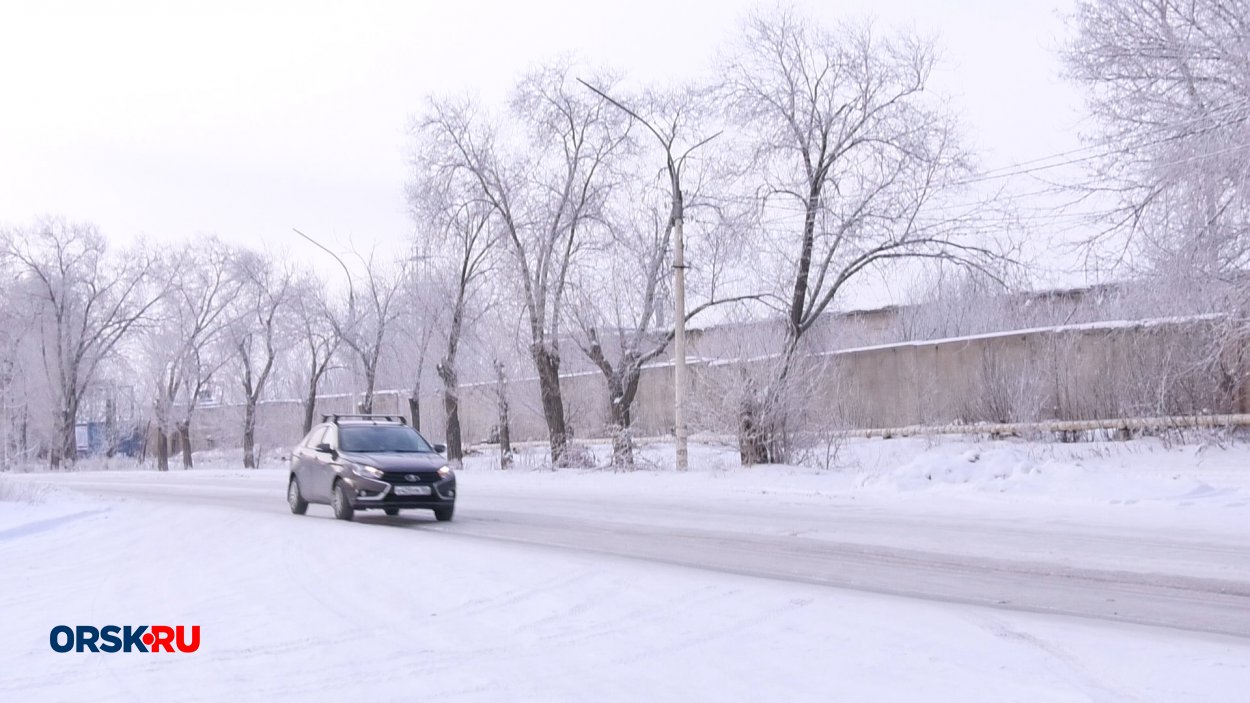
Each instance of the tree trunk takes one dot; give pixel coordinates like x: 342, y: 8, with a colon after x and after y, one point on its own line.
x: 249, y: 434
x: 414, y: 411
x: 451, y: 410
x: 371, y: 378
x: 548, y: 366
x: 505, y: 433
x: 67, y: 453
x: 162, y: 450
x: 451, y: 405
x: 147, y: 439
x: 622, y: 438
x: 763, y: 422
x: 184, y: 439
x: 310, y: 407
x: 110, y: 427
x: 451, y: 391
x: 750, y: 444
x: 619, y: 404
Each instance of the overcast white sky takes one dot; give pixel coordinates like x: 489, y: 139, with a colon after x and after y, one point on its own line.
x: 249, y: 118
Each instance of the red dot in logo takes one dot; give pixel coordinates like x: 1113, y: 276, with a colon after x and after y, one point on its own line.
x: 148, y: 638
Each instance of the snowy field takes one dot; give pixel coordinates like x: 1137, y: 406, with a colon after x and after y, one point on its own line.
x: 651, y: 585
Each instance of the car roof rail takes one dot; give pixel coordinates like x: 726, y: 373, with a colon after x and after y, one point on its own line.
x: 335, y: 417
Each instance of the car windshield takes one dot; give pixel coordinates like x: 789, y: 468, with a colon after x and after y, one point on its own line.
x: 381, y: 438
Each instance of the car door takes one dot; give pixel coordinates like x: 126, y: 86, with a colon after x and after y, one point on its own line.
x: 304, y: 466
x: 323, y: 463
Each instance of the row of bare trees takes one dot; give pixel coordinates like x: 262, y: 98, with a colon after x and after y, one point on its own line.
x: 179, y: 324
x: 73, y: 304
x: 814, y: 159
x: 573, y: 217
x: 1169, y: 84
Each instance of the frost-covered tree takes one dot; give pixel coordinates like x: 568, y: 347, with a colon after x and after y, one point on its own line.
x: 82, y: 301
x: 368, y: 319
x: 629, y: 310
x: 1169, y: 82
x: 260, y: 329
x: 460, y: 242
x: 542, y: 170
x: 318, y: 339
x: 855, y: 159
x: 184, y: 344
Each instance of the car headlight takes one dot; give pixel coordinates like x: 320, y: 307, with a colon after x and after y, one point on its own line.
x: 444, y: 472
x: 368, y: 471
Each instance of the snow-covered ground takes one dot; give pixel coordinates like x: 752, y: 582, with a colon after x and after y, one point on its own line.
x: 405, y: 608
x: 1143, y: 471
x: 1198, y: 489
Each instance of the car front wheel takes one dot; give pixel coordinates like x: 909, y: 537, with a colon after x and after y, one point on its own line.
x: 340, y: 503
x: 294, y: 499
x: 444, y: 514
x: 391, y: 511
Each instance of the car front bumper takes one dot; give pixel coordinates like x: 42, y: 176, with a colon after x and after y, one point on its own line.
x: 370, y: 493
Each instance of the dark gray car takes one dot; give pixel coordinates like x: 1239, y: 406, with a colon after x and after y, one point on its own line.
x: 370, y: 462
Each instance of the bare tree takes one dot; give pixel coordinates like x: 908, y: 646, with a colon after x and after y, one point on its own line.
x: 319, y: 339
x: 544, y: 182
x: 457, y: 234
x: 423, y: 317
x: 855, y: 158
x: 13, y: 406
x: 678, y: 114
x: 620, y: 315
x: 423, y: 299
x: 1169, y: 81
x: 84, y: 302
x: 258, y: 334
x: 183, y: 343
x: 504, y: 428
x: 461, y: 231
x: 952, y: 302
x: 370, y: 315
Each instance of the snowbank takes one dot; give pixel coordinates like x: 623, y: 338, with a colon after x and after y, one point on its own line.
x: 1094, y: 473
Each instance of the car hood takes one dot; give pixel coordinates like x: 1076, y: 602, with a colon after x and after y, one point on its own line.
x: 389, y: 461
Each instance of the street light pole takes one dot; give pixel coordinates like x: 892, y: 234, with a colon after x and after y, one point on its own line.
x: 351, y: 289
x: 673, y: 165
x: 679, y: 330
x: 351, y: 292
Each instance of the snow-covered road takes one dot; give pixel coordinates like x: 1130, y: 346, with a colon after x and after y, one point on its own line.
x: 758, y: 584
x: 1142, y: 576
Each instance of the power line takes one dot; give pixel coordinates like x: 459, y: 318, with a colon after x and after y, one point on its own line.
x: 1091, y: 157
x: 1117, y: 145
x: 800, y: 210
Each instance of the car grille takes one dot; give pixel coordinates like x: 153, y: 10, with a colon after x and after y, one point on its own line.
x: 420, y: 476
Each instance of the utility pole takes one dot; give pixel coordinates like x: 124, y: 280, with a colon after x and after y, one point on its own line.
x: 679, y: 327
x: 673, y: 165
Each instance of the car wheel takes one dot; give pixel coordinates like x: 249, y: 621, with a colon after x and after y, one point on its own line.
x: 444, y: 514
x: 293, y: 498
x: 341, y: 504
x: 391, y: 511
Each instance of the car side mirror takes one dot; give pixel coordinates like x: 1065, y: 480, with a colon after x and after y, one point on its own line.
x: 325, y: 448
x: 440, y: 448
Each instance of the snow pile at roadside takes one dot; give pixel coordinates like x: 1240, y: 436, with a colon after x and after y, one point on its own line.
x: 28, y: 508
x: 22, y: 492
x: 1144, y: 471
x: 960, y: 465
x: 1099, y: 472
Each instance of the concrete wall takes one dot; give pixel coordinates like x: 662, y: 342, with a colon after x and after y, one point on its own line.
x: 1089, y: 372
